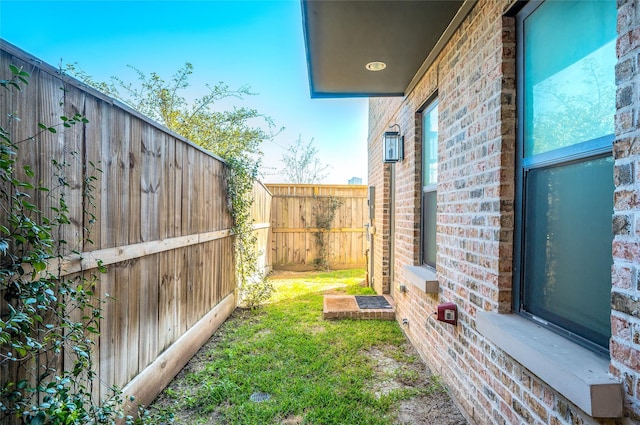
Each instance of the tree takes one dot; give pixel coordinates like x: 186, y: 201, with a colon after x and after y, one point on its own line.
x: 228, y: 134
x: 302, y: 164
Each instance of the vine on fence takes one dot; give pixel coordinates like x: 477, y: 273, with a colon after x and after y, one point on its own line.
x: 48, y: 321
x: 324, y: 215
x: 254, y: 287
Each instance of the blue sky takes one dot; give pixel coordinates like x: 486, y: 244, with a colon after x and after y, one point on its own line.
x: 255, y: 43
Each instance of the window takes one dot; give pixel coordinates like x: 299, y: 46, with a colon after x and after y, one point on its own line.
x: 429, y: 182
x: 566, y: 62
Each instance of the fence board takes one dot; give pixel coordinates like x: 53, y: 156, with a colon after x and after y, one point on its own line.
x: 74, y: 147
x: 150, y: 185
x: 148, y: 310
x: 50, y: 146
x: 106, y: 348
x: 178, y: 160
x: 132, y: 287
x: 96, y: 136
x: 134, y: 161
x: 182, y: 282
x: 168, y: 301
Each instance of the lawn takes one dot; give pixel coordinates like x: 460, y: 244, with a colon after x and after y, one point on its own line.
x: 284, y: 364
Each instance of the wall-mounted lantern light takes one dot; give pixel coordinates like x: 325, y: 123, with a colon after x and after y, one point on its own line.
x: 393, y: 145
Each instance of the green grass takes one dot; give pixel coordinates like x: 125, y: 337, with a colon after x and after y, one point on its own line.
x: 314, y: 370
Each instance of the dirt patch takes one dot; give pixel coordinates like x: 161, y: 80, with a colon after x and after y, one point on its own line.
x: 403, y: 370
x: 292, y: 420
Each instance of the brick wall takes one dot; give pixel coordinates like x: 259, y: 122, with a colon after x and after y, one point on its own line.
x: 474, y: 79
x: 379, y: 176
x: 625, y: 318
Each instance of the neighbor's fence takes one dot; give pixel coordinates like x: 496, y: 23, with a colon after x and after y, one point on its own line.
x: 294, y: 224
x: 261, y: 214
x: 162, y: 230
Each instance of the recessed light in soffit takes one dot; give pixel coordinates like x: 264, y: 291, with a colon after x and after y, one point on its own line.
x: 375, y: 66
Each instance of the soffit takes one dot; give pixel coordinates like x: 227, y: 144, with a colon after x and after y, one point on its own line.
x: 342, y: 36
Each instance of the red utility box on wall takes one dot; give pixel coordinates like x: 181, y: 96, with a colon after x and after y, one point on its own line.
x: 448, y: 313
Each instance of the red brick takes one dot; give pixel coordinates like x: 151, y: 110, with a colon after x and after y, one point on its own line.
x: 620, y: 352
x: 626, y: 250
x: 622, y: 277
x: 620, y: 328
x: 475, y: 79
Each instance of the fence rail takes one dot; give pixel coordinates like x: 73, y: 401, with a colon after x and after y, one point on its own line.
x: 295, y: 211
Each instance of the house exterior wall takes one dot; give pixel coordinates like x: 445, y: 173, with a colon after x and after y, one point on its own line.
x: 625, y: 316
x: 474, y: 78
x: 379, y: 177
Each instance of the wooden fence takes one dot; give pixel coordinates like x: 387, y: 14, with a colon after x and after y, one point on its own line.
x: 261, y: 213
x: 163, y: 229
x: 294, y: 224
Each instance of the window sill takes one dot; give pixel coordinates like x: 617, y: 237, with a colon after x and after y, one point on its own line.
x: 575, y: 372
x: 422, y: 277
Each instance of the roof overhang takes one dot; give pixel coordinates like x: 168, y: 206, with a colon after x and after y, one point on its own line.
x: 342, y: 36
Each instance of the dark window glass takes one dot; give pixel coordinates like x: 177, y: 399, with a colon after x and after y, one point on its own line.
x: 568, y: 246
x: 429, y: 237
